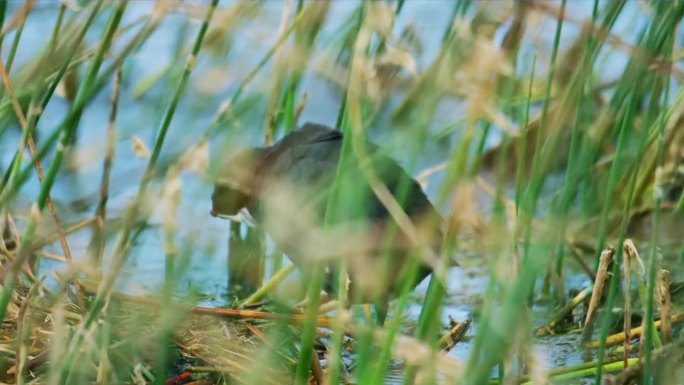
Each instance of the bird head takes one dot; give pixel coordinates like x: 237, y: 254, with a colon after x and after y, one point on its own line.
x: 236, y: 183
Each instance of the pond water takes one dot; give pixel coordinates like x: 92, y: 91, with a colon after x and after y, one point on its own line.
x: 213, y: 81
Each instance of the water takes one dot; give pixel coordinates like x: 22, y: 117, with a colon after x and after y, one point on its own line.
x: 213, y: 81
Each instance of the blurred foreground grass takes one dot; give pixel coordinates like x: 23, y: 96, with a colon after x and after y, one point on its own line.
x: 548, y: 133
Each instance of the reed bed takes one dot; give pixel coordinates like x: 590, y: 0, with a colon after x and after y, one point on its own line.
x: 548, y: 134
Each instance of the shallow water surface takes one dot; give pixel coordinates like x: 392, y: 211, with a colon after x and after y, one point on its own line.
x: 201, y: 238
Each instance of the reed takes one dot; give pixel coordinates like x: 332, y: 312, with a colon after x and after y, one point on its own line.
x: 544, y: 138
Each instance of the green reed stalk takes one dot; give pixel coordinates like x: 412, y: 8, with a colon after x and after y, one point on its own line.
x: 15, y: 44
x: 304, y: 36
x: 105, y: 75
x: 96, y: 246
x: 538, y: 169
x: 274, y: 105
x: 3, y: 13
x: 13, y: 178
x: 499, y: 215
x: 394, y: 325
x: 120, y: 250
x: 493, y: 344
x: 104, y: 365
x: 335, y: 360
x: 46, y: 145
x: 121, y: 245
x: 67, y: 131
x: 435, y: 293
x: 522, y: 140
x: 474, y: 167
x: 309, y: 326
x: 175, y: 261
x: 651, y: 42
x: 625, y: 129
x: 10, y: 57
x: 313, y: 300
x: 279, y: 273
x: 167, y: 314
x: 331, y: 213
x: 429, y: 319
x: 103, y: 79
x: 58, y: 26
x: 578, y: 83
x: 653, y: 255
x: 227, y: 106
x: 588, y: 150
x: 28, y: 124
x: 569, y: 188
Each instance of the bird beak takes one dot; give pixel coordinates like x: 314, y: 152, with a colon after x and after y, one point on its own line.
x: 235, y: 218
x: 239, y: 217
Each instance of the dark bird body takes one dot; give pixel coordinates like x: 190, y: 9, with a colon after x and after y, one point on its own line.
x: 286, y: 188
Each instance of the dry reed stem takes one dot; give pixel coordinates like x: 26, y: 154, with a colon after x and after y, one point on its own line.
x: 609, y: 37
x: 618, y: 338
x: 52, y: 256
x: 407, y: 348
x: 296, y: 319
x: 536, y: 224
x: 559, y: 315
x: 7, y: 224
x: 220, y: 361
x: 576, y: 252
x: 632, y: 375
x: 18, y: 17
x: 300, y: 107
x: 276, y: 76
x: 316, y: 369
x: 101, y: 210
x: 422, y: 177
x: 23, y: 327
x: 48, y: 239
x: 31, y: 364
x: 404, y: 223
x: 665, y: 306
x: 606, y: 260
x: 39, y: 171
x: 627, y: 316
x: 454, y: 335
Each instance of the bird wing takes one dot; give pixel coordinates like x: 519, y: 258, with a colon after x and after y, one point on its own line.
x: 308, y: 157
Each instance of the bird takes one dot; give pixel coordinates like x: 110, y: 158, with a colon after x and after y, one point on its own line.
x: 287, y: 188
